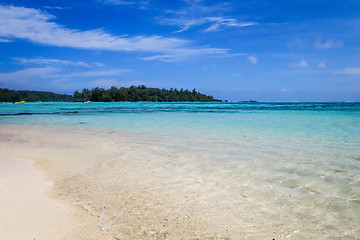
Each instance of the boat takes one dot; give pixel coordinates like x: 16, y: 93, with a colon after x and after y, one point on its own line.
x: 20, y: 102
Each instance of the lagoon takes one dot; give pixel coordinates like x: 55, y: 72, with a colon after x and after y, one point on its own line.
x: 206, y: 170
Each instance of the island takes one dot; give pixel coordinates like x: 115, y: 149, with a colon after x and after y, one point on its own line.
x: 114, y: 94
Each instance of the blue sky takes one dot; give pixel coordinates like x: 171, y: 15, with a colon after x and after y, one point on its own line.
x: 265, y: 50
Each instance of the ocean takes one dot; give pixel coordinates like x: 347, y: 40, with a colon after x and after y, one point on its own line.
x: 255, y: 170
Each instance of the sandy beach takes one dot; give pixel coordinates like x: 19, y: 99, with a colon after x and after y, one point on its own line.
x: 79, y: 183
x: 179, y: 120
x: 31, y: 206
x: 110, y: 196
x: 27, y: 210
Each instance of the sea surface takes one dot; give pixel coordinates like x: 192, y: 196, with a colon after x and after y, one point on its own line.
x: 299, y: 162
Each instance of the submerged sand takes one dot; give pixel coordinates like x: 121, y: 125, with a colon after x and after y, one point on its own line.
x: 120, y: 185
x: 108, y: 204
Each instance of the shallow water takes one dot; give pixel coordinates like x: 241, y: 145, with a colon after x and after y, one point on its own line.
x: 283, y: 169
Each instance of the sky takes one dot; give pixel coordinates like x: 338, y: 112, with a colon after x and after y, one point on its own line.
x: 236, y: 50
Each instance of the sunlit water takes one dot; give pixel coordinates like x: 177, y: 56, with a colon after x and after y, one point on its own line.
x: 299, y: 161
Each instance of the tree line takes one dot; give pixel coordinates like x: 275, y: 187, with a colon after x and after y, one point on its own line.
x: 140, y: 94
x: 7, y: 95
x: 114, y: 94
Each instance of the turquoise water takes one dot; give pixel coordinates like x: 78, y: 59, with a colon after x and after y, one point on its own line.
x: 334, y: 123
x: 309, y: 151
x: 312, y: 119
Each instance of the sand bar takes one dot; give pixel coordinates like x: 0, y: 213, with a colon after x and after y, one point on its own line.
x: 27, y: 210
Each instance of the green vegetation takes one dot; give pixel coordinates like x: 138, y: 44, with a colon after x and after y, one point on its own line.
x: 7, y: 95
x: 141, y: 94
x: 114, y: 94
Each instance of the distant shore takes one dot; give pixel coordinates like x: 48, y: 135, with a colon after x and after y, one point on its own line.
x: 131, y: 94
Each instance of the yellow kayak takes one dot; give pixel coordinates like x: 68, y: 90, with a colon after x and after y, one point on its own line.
x: 21, y: 102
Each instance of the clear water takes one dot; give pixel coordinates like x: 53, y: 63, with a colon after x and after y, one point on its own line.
x: 301, y: 157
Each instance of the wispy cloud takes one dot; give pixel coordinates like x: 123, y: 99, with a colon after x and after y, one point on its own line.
x: 197, y: 14
x: 182, y: 54
x: 57, y: 7
x: 117, y: 2
x: 47, y: 61
x: 51, y: 73
x: 211, y: 23
x: 34, y: 25
x: 5, y: 40
x: 104, y: 83
x: 322, y: 65
x: 41, y: 73
x: 350, y: 71
x: 301, y: 64
x: 140, y: 4
x: 183, y: 23
x: 253, y: 59
x: 37, y: 26
x: 96, y: 73
x: 318, y: 44
x: 22, y: 78
x: 205, y: 69
x: 327, y: 44
x: 218, y: 22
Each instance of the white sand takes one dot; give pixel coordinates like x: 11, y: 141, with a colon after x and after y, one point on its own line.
x: 118, y: 185
x: 27, y: 211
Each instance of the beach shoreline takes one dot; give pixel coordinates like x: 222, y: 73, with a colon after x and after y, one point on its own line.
x: 27, y: 209
x: 32, y: 205
x: 124, y: 185
x: 100, y: 209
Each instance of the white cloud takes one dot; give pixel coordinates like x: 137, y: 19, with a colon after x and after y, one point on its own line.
x: 117, y: 2
x: 301, y: 64
x: 298, y: 42
x: 87, y: 74
x: 183, y: 23
x: 253, y: 59
x: 205, y: 69
x: 31, y: 24
x: 140, y: 4
x: 218, y: 22
x: 50, y: 77
x: 192, y: 1
x: 350, y: 71
x: 5, y: 40
x: 57, y: 7
x: 181, y: 54
x: 50, y: 72
x: 23, y: 78
x: 197, y: 14
x: 327, y: 44
x: 213, y: 27
x: 215, y: 23
x: 322, y: 65
x: 47, y: 61
x: 104, y: 83
x: 37, y: 26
